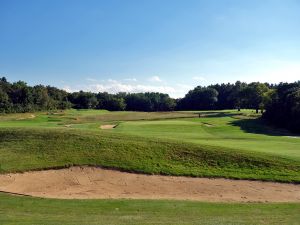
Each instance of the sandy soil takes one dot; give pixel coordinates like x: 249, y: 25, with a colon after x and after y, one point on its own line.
x: 90, y: 183
x: 31, y: 116
x: 105, y: 127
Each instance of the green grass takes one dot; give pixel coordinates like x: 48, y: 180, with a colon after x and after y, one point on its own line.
x: 224, y: 129
x: 252, y: 135
x: 38, y: 148
x: 84, y: 116
x: 219, y: 144
x: 34, y: 211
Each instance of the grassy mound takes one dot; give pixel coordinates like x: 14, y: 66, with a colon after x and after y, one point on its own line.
x: 39, y: 148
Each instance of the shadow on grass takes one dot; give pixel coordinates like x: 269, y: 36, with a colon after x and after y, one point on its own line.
x: 217, y: 114
x: 259, y: 126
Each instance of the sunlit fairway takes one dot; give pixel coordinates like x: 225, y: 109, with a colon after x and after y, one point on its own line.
x: 246, y: 134
x: 228, y: 144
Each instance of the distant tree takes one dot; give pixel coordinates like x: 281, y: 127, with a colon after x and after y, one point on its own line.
x: 84, y: 100
x: 267, y: 98
x: 59, y: 98
x: 138, y: 102
x: 4, y: 101
x: 21, y: 97
x: 236, y: 95
x: 166, y: 103
x: 283, y: 108
x: 200, y: 98
x: 41, y: 98
x: 116, y: 104
x: 224, y: 96
x: 253, y: 95
x: 111, y: 102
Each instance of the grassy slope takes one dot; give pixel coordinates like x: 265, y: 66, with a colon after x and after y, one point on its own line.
x: 230, y: 129
x: 37, y: 148
x: 242, y: 135
x: 24, y: 211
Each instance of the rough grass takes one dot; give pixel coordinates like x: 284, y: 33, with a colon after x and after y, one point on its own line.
x: 87, y: 116
x: 39, y: 148
x: 134, y: 116
x: 34, y: 211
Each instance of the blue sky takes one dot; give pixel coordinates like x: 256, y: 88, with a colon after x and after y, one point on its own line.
x: 168, y: 46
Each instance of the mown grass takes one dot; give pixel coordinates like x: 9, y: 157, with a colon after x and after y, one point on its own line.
x: 224, y: 129
x: 34, y: 211
x: 219, y: 144
x: 39, y: 148
x: 229, y: 131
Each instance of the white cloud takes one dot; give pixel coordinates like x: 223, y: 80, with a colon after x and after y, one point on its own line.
x: 155, y: 79
x: 111, y: 81
x: 115, y: 86
x: 68, y: 89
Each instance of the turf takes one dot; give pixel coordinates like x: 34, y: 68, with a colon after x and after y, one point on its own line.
x: 39, y: 148
x: 219, y: 144
x: 251, y: 135
x: 242, y: 131
x: 26, y: 210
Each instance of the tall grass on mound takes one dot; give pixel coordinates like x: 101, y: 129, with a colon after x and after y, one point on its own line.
x: 40, y: 148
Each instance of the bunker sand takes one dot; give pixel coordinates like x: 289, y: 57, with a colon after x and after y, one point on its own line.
x: 97, y: 183
x: 106, y: 127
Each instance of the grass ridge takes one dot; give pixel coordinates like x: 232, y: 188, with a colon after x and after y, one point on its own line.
x: 38, y: 148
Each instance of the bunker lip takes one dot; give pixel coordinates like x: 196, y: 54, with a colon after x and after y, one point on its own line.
x: 99, y: 183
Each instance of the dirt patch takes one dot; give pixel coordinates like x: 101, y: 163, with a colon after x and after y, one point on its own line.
x: 106, y: 127
x: 91, y: 183
x: 30, y: 116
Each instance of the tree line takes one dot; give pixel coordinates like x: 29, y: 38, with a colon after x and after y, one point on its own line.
x: 283, y: 107
x: 228, y: 96
x: 148, y: 102
x: 18, y: 97
x: 280, y: 104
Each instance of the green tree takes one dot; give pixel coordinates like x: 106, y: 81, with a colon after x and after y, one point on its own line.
x: 253, y: 95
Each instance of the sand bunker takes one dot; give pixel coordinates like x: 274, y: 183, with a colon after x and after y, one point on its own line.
x: 90, y: 183
x: 105, y: 127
